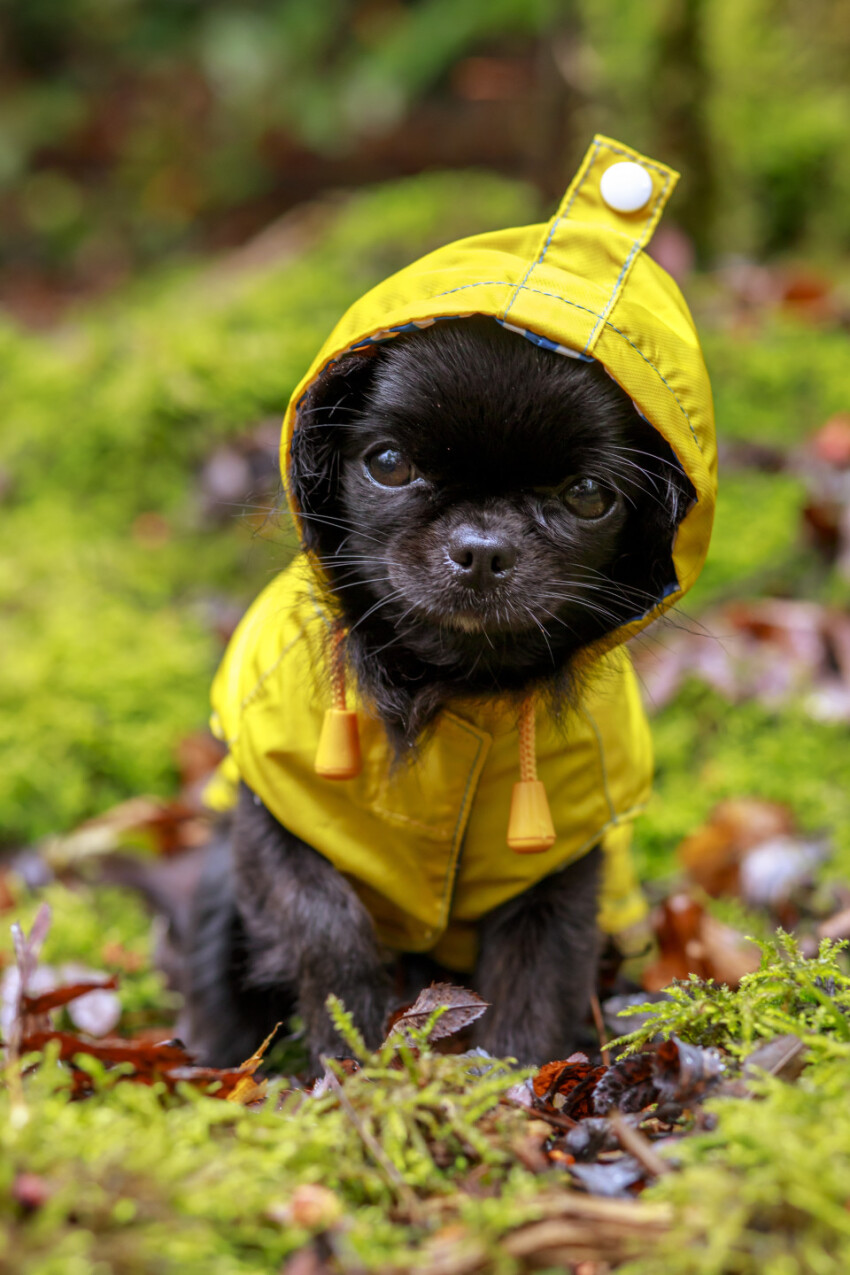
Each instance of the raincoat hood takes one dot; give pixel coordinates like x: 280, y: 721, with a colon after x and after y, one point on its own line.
x: 424, y: 845
x: 582, y: 285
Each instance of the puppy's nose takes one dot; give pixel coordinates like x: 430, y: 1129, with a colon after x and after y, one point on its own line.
x: 481, y: 558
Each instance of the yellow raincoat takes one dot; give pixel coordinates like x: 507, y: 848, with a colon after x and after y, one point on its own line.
x: 424, y: 844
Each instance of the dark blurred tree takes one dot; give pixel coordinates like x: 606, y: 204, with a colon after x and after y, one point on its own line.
x: 130, y: 129
x: 750, y: 98
x: 680, y: 87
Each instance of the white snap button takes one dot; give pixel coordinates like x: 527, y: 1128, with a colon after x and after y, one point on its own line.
x: 626, y: 187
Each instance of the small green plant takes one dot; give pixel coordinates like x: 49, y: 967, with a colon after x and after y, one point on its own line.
x: 135, y: 1179
x: 788, y: 993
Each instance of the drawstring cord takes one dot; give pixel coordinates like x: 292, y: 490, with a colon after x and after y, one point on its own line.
x: 338, y: 754
x: 338, y: 668
x: 530, y: 827
x: 527, y: 750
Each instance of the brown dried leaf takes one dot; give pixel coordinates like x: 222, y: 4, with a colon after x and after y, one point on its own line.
x: 148, y: 1059
x: 831, y: 443
x: 60, y: 996
x: 712, y: 854
x: 461, y: 1006
x: 567, y: 1086
x: 7, y: 895
x: 166, y: 827
x: 784, y: 1056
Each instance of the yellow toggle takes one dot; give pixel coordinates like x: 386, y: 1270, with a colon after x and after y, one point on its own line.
x: 338, y: 754
x: 530, y: 827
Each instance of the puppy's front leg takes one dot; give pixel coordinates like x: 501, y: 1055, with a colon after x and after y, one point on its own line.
x: 306, y: 928
x: 536, y: 965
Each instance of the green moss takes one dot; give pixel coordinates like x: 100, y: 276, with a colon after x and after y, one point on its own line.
x: 756, y: 545
x: 108, y: 650
x: 766, y: 1192
x: 776, y: 382
x: 766, y: 1189
x: 707, y: 749
x: 139, y: 1181
x: 787, y: 994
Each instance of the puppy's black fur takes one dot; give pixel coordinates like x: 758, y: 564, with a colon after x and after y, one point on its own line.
x: 483, y: 510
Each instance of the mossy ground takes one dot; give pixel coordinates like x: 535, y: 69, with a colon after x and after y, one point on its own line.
x: 108, y: 651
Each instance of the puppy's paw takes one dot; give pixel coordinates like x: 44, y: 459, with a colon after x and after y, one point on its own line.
x: 367, y: 1000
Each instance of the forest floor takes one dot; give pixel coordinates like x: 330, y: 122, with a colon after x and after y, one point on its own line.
x: 138, y: 490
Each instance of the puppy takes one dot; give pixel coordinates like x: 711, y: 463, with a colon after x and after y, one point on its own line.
x: 482, y: 510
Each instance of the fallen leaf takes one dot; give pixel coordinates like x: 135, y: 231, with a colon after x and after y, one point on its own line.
x: 612, y: 1179
x: 831, y: 443
x: 165, y: 827
x: 685, y: 1074
x: 726, y: 955
x: 589, y: 1137
x: 784, y: 1056
x: 7, y: 895
x: 567, y: 1087
x: 59, y: 996
x: 712, y: 854
x: 628, y: 1084
x: 461, y: 1007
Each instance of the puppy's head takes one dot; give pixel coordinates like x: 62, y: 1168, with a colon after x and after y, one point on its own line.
x: 483, y: 508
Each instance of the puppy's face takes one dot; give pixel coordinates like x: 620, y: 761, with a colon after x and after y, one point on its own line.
x: 484, y: 505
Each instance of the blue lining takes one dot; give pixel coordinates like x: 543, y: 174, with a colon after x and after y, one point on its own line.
x: 504, y: 283
x: 673, y: 587
x: 543, y: 341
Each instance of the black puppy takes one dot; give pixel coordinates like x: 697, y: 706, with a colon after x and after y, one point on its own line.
x: 483, y: 510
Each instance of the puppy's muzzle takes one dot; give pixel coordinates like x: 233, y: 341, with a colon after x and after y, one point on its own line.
x: 480, y: 560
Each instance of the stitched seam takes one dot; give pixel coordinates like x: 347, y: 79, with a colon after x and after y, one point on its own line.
x: 436, y: 833
x: 644, y: 163
x: 254, y: 691
x: 492, y: 283
x: 555, y: 224
x: 610, y: 303
x: 602, y: 766
x: 594, y: 839
x: 636, y: 247
x: 451, y: 870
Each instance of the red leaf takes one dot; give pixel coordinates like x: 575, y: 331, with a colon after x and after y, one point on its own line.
x: 64, y: 995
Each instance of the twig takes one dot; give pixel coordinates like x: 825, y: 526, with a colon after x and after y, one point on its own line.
x: 633, y: 1141
x: 540, y: 1113
x: 371, y: 1143
x: 599, y: 1024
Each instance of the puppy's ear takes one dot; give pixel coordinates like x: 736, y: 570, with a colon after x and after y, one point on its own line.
x: 323, y: 420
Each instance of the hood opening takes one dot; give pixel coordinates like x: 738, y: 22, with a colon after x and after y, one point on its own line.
x: 341, y: 383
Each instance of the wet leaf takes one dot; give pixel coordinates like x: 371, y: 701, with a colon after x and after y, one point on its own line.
x: 628, y: 1084
x: 685, y: 1074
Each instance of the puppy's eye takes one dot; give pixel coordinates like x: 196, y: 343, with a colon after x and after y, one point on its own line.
x: 587, y: 498
x: 390, y: 468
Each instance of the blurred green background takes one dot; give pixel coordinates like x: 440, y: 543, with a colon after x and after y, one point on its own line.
x: 132, y: 130
x: 191, y: 191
